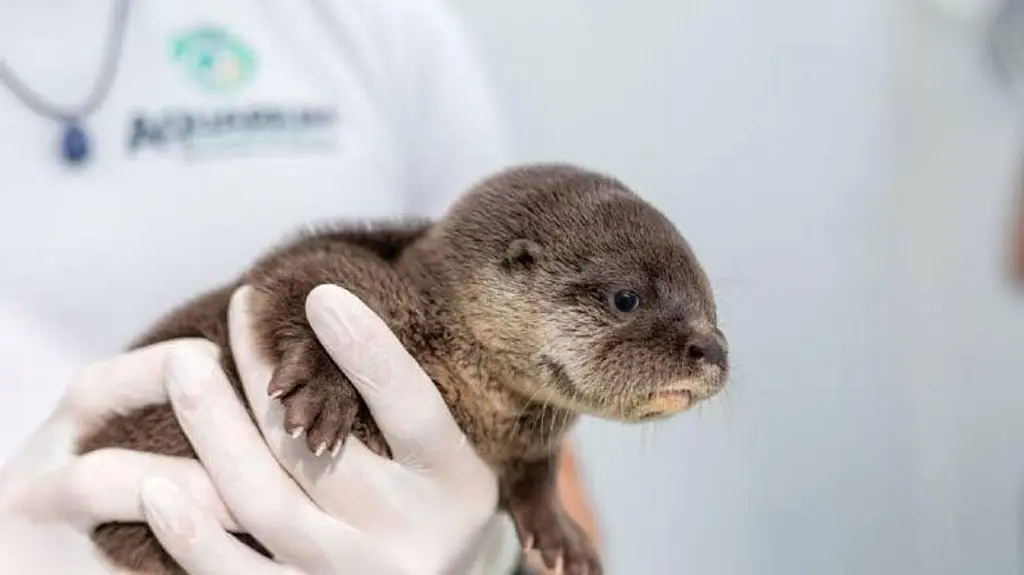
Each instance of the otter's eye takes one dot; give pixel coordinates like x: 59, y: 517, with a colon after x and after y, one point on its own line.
x: 626, y: 301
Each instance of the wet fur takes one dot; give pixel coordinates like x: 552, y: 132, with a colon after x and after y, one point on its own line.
x: 453, y: 292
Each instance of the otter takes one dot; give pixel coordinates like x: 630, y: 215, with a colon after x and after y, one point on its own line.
x: 546, y: 292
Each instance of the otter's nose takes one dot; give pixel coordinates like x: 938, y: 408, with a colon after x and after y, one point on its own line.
x: 707, y: 349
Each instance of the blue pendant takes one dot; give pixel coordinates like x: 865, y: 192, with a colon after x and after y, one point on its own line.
x: 74, y: 144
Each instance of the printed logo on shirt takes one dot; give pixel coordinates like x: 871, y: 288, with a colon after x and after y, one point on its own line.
x: 235, y: 130
x: 221, y: 63
x: 214, y: 59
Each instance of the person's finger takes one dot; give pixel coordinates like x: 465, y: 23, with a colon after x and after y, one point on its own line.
x: 261, y: 496
x: 256, y: 374
x: 404, y: 402
x: 348, y: 488
x: 370, y: 492
x: 125, y: 382
x: 339, y: 489
x: 314, y: 474
x: 195, y: 540
x: 104, y: 485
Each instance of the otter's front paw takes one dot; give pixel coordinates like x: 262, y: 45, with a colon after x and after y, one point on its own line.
x: 318, y: 399
x: 559, y: 539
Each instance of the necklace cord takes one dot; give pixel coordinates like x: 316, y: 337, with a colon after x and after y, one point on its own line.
x: 100, y: 89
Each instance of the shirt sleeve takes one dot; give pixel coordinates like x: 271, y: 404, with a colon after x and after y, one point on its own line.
x: 452, y: 124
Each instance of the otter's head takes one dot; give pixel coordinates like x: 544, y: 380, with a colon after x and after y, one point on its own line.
x: 573, y: 280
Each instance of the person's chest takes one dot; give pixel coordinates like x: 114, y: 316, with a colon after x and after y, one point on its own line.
x: 228, y: 125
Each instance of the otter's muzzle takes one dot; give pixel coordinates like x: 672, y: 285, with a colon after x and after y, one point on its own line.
x: 707, y: 349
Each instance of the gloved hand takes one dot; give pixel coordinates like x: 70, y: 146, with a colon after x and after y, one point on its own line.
x: 427, y: 511
x: 50, y: 498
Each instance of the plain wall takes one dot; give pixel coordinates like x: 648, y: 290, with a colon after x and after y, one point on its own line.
x: 802, y: 147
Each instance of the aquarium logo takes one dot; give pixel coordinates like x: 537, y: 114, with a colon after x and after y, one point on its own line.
x: 213, y: 59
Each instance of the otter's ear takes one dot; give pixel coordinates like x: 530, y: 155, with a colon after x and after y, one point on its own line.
x: 522, y: 255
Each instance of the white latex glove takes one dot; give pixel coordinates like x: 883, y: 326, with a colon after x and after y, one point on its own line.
x: 427, y: 511
x: 50, y: 498
x: 423, y: 513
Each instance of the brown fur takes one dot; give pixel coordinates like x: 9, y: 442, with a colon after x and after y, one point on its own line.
x: 509, y: 305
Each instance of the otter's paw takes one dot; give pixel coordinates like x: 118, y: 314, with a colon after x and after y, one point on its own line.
x: 561, y: 542
x: 319, y: 400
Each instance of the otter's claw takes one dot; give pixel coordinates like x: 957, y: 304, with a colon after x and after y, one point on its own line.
x: 318, y: 399
x: 561, y: 543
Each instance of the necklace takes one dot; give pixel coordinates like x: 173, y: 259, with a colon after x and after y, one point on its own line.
x: 75, y: 146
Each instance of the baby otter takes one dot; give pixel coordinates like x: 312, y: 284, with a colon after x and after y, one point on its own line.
x: 545, y: 292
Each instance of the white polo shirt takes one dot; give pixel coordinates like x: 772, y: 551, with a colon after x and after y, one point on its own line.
x: 228, y: 124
